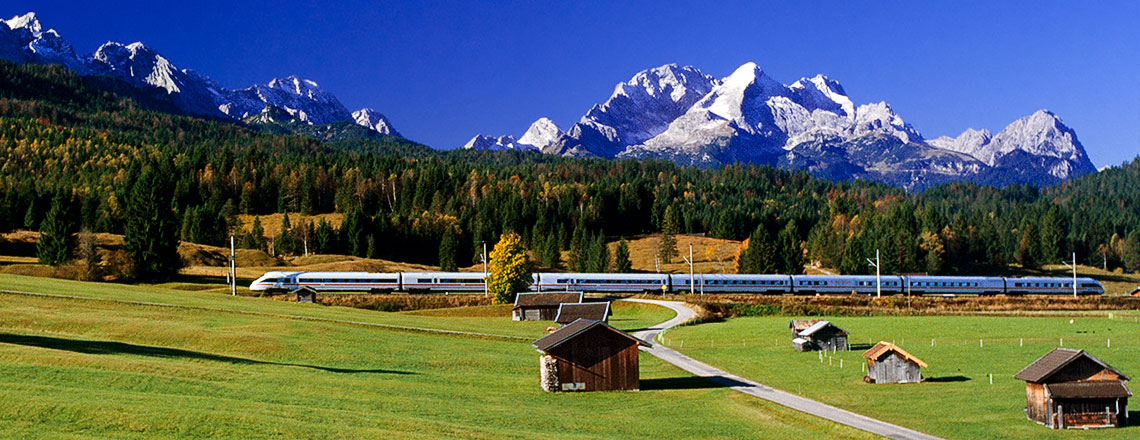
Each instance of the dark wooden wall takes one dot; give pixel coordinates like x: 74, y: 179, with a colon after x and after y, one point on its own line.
x: 598, y: 360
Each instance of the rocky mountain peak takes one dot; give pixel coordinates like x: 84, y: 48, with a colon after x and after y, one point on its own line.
x: 374, y: 120
x: 542, y: 133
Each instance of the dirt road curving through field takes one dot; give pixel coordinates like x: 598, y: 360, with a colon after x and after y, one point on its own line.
x: 799, y: 403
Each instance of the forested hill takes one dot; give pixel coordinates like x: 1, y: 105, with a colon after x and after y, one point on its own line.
x: 62, y: 136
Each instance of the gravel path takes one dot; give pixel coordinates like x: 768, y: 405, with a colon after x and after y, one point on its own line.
x: 746, y: 386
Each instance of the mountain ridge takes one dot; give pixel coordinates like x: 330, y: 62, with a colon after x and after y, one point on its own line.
x: 685, y: 116
x: 23, y: 40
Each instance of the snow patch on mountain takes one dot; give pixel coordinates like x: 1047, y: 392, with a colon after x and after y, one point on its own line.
x: 501, y: 143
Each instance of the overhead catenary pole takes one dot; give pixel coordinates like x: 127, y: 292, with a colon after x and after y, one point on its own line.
x: 233, y: 269
x: 1074, y: 267
x: 878, y: 275
x: 691, y: 277
x: 486, y: 293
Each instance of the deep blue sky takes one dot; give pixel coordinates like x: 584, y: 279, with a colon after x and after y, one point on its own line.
x: 444, y: 71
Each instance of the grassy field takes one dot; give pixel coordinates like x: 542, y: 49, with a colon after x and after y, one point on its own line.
x: 957, y: 400
x: 233, y: 367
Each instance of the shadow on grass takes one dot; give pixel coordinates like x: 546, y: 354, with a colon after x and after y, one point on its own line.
x: 860, y: 347
x: 948, y: 379
x: 111, y: 347
x: 688, y: 383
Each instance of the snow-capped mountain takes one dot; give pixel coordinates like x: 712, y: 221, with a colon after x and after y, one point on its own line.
x: 480, y: 142
x: 541, y: 134
x: 372, y: 119
x: 23, y: 40
x: 685, y: 116
x: 638, y: 109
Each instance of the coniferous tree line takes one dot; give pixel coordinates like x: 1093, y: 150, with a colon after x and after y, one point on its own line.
x: 400, y: 201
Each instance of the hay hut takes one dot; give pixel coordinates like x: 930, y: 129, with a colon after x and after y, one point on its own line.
x: 541, y: 306
x: 821, y: 336
x: 887, y: 363
x: 589, y: 355
x: 1069, y: 388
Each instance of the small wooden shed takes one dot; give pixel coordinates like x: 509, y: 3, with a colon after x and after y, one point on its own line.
x: 887, y: 363
x: 821, y: 336
x: 595, y: 311
x: 1069, y: 388
x: 588, y: 355
x: 306, y: 294
x: 541, y: 306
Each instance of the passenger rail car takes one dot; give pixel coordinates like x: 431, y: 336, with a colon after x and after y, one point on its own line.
x: 602, y: 282
x: 422, y: 282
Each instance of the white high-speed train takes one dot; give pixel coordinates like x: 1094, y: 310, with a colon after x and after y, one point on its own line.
x: 441, y: 282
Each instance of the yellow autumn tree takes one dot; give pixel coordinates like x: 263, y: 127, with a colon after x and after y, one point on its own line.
x: 510, y: 269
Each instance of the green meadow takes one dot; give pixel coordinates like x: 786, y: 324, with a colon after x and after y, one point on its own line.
x: 205, y: 365
x: 957, y: 400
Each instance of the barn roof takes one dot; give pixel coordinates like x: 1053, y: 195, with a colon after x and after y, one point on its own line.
x: 568, y: 313
x: 546, y: 299
x: 1054, y: 361
x: 883, y: 347
x: 799, y: 325
x: 573, y: 329
x: 820, y: 326
x: 1109, y: 389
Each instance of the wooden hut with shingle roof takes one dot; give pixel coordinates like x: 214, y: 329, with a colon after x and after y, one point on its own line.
x: 595, y: 311
x: 588, y: 355
x: 541, y: 306
x: 888, y: 363
x: 1069, y: 388
x: 821, y: 336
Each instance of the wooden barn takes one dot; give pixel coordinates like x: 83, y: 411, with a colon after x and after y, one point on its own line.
x: 588, y: 355
x: 887, y: 363
x: 1069, y: 388
x: 594, y: 311
x: 306, y: 294
x: 821, y: 336
x: 541, y: 306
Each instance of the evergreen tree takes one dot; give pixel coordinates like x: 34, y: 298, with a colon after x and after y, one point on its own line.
x: 622, y: 264
x: 790, y: 253
x: 286, y: 241
x: 32, y: 217
x: 1052, y: 236
x: 510, y: 269
x: 579, y: 248
x: 447, y: 248
x: 151, y: 231
x: 599, y: 255
x: 354, y: 232
x: 757, y: 254
x: 57, y: 233
x: 1028, y: 246
x: 256, y: 237
x: 324, y: 236
x: 1131, y: 253
x: 667, y: 244
x: 551, y: 255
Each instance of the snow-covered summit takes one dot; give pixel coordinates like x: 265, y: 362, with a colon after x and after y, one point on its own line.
x: 480, y: 142
x: 374, y: 120
x: 542, y: 133
x: 28, y: 22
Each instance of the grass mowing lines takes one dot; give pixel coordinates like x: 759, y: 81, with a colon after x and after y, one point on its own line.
x: 956, y: 401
